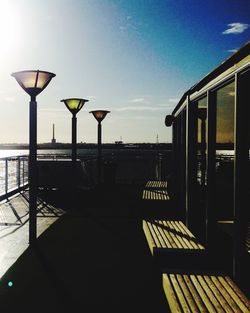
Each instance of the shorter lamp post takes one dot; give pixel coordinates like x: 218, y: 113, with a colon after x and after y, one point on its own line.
x: 74, y: 105
x: 99, y: 115
x: 33, y: 82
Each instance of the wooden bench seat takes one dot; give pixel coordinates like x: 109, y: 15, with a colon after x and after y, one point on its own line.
x: 155, y: 195
x: 203, y: 293
x: 156, y: 184
x: 155, y: 190
x: 165, y: 236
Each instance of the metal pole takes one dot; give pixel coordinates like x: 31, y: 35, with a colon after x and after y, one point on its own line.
x: 74, y: 122
x: 32, y: 171
x: 241, y: 173
x: 6, y: 175
x: 18, y: 172
x: 203, y: 152
x: 211, y: 170
x: 191, y: 165
x: 99, y: 151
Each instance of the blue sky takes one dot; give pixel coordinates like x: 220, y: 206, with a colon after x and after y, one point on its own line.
x: 135, y: 58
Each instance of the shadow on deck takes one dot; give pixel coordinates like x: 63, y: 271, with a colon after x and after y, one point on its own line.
x: 94, y: 258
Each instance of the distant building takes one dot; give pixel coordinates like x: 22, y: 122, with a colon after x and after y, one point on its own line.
x: 53, y: 140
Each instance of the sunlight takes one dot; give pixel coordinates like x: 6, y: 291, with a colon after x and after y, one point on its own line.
x: 9, y: 30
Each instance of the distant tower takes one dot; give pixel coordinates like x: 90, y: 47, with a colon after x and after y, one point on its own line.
x: 53, y: 140
x: 157, y: 139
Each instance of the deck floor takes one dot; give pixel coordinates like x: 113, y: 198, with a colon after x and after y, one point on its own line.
x: 86, y: 259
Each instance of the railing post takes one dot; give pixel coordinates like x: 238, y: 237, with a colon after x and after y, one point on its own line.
x: 23, y: 172
x: 18, y: 172
x: 6, y: 175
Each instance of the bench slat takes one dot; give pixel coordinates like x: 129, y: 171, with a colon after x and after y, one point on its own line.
x: 209, y: 293
x: 171, y: 296
x: 175, y: 236
x: 236, y: 294
x: 187, y: 293
x: 159, y: 237
x: 189, y: 243
x: 225, y: 294
x: 152, y: 242
x: 180, y: 236
x: 203, y: 293
x: 197, y: 299
x: 181, y: 297
x: 161, y: 195
x: 217, y: 294
x: 165, y: 235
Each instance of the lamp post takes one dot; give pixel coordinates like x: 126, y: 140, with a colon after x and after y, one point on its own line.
x: 33, y: 82
x: 74, y: 105
x: 99, y: 115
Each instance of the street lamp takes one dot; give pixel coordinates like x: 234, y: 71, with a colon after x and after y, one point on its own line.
x: 74, y: 105
x: 33, y: 82
x: 99, y: 115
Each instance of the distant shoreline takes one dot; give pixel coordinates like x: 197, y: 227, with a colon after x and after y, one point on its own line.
x: 139, y: 146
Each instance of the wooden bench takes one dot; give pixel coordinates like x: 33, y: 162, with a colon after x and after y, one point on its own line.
x: 169, y: 240
x: 156, y: 184
x: 155, y: 190
x: 203, y: 293
x: 169, y: 235
x: 155, y: 195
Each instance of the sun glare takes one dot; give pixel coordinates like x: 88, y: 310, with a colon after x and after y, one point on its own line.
x: 9, y: 30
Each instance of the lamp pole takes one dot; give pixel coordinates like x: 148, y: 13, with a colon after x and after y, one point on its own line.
x: 99, y: 143
x: 32, y: 169
x: 33, y: 82
x: 74, y: 125
x: 74, y: 105
x: 99, y: 115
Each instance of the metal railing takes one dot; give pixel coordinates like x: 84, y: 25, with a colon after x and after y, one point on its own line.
x: 13, y: 175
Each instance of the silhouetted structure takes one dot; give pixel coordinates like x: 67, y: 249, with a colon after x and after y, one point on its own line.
x: 53, y: 140
x: 74, y: 105
x: 33, y: 82
x: 211, y: 183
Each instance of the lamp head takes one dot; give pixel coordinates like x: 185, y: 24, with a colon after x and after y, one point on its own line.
x: 99, y: 115
x: 34, y: 81
x: 74, y: 105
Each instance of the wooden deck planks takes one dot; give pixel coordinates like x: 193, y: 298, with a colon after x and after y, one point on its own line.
x: 203, y: 293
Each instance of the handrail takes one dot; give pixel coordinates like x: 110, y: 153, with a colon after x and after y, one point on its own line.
x: 13, y: 175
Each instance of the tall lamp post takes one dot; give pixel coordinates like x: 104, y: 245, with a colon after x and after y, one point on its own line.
x: 33, y: 82
x: 74, y: 105
x: 99, y: 115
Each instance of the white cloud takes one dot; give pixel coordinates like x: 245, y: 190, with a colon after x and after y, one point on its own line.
x: 137, y: 100
x: 232, y: 50
x: 174, y: 100
x: 235, y: 28
x: 139, y: 108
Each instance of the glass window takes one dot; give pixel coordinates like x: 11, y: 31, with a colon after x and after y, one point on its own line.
x: 225, y: 98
